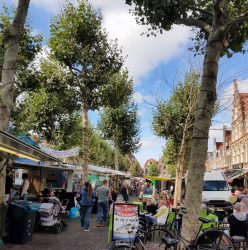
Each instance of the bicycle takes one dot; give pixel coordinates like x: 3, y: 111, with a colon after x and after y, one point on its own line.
x: 143, y: 232
x: 139, y: 242
x: 213, y: 238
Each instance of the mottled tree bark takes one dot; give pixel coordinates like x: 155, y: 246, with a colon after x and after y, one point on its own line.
x: 7, y: 87
x: 117, y: 151
x: 85, y: 143
x: 205, y: 108
x: 179, y: 171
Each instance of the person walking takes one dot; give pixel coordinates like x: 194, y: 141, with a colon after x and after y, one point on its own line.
x: 87, y: 202
x: 104, y: 195
x: 124, y: 193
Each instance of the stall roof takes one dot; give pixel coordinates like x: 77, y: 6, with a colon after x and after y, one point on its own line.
x: 158, y: 178
x: 14, y: 146
x: 102, y: 170
x: 234, y: 174
x: 20, y: 165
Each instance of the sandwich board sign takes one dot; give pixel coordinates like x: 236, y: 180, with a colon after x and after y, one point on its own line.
x: 125, y: 221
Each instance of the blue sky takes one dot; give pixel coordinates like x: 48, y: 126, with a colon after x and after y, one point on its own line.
x: 149, y: 60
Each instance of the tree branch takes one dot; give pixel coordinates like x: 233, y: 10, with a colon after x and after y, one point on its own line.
x: 194, y: 23
x: 238, y: 20
x: 206, y: 12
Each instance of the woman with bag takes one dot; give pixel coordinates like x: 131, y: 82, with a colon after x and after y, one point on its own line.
x: 87, y: 202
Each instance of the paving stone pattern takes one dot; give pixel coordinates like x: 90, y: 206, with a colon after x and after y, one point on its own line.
x: 71, y: 238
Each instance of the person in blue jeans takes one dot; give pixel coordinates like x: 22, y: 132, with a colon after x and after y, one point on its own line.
x: 87, y: 202
x: 104, y: 195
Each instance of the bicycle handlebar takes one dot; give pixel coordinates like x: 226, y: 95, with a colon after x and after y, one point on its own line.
x: 182, y: 210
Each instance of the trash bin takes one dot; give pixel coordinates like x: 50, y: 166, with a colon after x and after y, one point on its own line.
x: 21, y: 215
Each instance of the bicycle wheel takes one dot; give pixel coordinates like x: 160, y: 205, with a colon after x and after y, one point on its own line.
x: 224, y: 242
x: 214, y: 239
x: 153, y: 239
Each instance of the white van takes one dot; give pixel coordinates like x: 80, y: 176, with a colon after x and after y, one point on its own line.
x: 215, y: 187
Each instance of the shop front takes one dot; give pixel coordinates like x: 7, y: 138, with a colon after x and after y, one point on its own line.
x: 237, y: 178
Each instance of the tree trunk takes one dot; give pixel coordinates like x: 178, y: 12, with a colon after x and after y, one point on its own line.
x: 205, y: 108
x: 7, y: 87
x: 117, y: 154
x: 2, y: 197
x: 85, y: 146
x: 180, y: 168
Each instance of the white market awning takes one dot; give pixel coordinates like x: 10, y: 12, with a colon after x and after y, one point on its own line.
x: 101, y: 170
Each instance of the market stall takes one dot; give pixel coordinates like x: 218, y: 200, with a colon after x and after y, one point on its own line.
x: 97, y: 175
x: 43, y: 177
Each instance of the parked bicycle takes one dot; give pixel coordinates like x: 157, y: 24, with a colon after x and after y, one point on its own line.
x: 212, y: 239
x: 146, y: 237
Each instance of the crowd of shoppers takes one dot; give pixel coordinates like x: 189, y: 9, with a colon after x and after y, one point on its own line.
x: 105, y: 197
x: 238, y: 220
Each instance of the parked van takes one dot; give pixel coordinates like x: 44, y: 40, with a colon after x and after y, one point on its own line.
x: 215, y: 187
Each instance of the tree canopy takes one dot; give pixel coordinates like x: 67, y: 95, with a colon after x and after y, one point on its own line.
x: 79, y: 43
x: 48, y: 107
x: 170, y: 115
x: 221, y: 29
x: 170, y: 155
x: 153, y: 169
x: 136, y: 170
x: 30, y: 45
x: 162, y: 15
x: 122, y: 124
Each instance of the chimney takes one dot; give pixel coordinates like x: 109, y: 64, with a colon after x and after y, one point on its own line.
x: 235, y: 85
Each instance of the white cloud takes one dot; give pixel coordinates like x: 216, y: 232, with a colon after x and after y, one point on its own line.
x: 139, y: 98
x: 143, y: 54
x: 42, y: 55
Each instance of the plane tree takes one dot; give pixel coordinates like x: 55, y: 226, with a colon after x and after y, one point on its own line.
x: 12, y: 35
x: 80, y: 44
x: 221, y: 28
x: 174, y: 118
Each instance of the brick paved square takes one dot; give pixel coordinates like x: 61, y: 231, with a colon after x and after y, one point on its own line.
x: 71, y: 238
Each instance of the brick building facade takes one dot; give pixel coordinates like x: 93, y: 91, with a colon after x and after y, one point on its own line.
x: 231, y: 155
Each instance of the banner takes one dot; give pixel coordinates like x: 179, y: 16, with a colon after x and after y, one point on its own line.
x: 58, y: 153
x: 125, y: 221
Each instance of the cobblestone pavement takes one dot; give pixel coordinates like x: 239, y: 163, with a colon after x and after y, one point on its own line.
x: 71, y: 238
